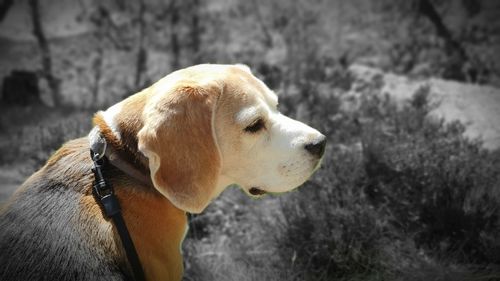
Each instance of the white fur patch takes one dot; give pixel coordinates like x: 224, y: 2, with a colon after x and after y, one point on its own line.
x: 244, y: 115
x: 109, y: 117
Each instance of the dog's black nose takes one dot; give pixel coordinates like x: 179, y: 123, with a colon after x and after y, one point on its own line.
x: 317, y: 148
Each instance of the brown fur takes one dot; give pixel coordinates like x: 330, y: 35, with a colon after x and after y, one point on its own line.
x: 178, y: 140
x: 158, y: 229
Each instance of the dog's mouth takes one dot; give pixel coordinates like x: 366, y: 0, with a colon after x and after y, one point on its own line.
x: 256, y: 191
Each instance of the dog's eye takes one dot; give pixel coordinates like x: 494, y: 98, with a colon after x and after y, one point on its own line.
x: 255, y: 126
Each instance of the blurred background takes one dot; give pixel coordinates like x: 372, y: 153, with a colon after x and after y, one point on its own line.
x: 407, y: 93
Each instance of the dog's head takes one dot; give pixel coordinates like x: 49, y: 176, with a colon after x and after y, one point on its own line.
x: 208, y: 126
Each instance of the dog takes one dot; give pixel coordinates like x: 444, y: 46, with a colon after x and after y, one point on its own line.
x: 176, y: 146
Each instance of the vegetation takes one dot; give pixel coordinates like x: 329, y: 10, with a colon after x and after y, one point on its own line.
x: 401, y: 196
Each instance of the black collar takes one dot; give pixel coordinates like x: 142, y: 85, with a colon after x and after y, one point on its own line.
x: 104, y: 194
x: 98, y: 144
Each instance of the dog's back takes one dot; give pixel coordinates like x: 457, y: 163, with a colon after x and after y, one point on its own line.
x: 45, y: 235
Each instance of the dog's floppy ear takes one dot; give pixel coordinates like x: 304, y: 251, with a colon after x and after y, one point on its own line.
x: 179, y: 142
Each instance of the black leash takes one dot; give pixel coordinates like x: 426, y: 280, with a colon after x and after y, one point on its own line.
x: 105, y: 196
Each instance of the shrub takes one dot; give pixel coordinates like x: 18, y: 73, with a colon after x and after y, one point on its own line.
x: 327, y: 229
x: 436, y: 184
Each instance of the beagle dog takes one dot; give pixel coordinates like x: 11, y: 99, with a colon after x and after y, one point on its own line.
x: 191, y: 134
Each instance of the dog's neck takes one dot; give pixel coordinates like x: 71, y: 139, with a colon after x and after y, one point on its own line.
x: 120, y: 132
x: 155, y: 224
x: 158, y: 229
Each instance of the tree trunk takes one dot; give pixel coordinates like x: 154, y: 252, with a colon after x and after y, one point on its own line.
x: 195, y: 32
x: 174, y: 39
x: 45, y: 50
x: 141, y: 52
x: 456, y: 53
x: 4, y: 8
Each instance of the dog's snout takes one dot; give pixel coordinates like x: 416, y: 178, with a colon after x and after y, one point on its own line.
x: 317, y: 148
